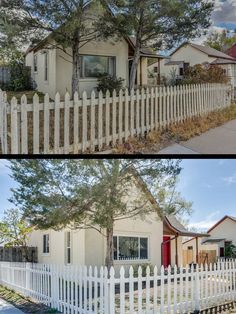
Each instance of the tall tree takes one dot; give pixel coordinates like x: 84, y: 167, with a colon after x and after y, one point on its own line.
x: 90, y: 193
x: 156, y: 23
x: 70, y: 24
x: 220, y: 40
x: 15, y: 231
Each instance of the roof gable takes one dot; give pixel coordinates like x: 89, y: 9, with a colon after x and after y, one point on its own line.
x: 222, y: 220
x: 210, y: 52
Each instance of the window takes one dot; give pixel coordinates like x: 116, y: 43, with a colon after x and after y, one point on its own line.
x: 181, y: 71
x: 46, y: 66
x: 46, y: 243
x: 155, y: 69
x: 130, y: 248
x: 93, y: 66
x: 68, y: 247
x: 35, y: 63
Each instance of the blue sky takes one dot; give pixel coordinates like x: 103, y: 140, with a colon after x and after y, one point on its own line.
x: 210, y: 184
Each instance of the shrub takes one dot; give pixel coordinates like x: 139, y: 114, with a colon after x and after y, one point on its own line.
x: 109, y: 83
x: 199, y: 73
x: 20, y: 78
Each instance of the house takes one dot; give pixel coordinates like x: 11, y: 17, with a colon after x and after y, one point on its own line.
x: 137, y: 240
x: 220, y: 235
x: 232, y: 51
x: 51, y: 69
x: 189, y: 54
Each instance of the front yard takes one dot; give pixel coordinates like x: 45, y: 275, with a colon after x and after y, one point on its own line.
x: 28, y: 94
x: 24, y: 304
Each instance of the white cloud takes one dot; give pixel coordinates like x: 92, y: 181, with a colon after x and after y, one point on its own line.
x: 207, y: 223
x: 230, y: 179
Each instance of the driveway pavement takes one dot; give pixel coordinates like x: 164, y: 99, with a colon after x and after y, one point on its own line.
x: 6, y: 308
x: 221, y: 140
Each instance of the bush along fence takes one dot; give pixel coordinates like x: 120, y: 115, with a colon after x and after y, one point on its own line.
x: 78, y: 289
x: 97, y: 123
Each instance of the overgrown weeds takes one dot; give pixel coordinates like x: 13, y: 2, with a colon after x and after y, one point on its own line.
x: 156, y: 140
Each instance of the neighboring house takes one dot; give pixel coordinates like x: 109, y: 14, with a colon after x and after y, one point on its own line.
x: 136, y: 240
x: 220, y: 235
x: 52, y: 68
x: 190, y: 54
x: 232, y: 51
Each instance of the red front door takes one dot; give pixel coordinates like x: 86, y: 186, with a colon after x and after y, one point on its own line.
x: 166, y: 251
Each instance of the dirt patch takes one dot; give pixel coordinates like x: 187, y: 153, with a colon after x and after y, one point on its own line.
x: 157, y: 140
x: 24, y: 304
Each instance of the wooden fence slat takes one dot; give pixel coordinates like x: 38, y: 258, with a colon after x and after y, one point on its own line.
x: 57, y: 123
x: 92, y: 125
x: 46, y: 123
x: 107, y: 119
x: 67, y: 124
x: 36, y: 124
x: 100, y: 120
x: 24, y: 126
x: 14, y: 127
x: 85, y: 121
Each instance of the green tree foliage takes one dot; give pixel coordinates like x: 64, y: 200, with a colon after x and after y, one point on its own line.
x: 156, y: 23
x: 15, y: 231
x: 90, y: 193
x: 220, y: 41
x: 199, y: 74
x: 230, y: 251
x: 70, y: 23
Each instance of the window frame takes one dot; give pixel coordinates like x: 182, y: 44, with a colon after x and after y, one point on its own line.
x: 35, y: 63
x: 139, y: 248
x: 46, y: 66
x: 46, y: 244
x: 83, y: 77
x: 68, y: 248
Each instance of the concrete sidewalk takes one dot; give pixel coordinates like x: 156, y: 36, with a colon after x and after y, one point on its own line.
x: 221, y: 140
x: 6, y: 308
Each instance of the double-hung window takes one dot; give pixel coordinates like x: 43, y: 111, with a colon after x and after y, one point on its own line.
x: 35, y: 63
x: 68, y: 247
x: 46, y: 243
x: 46, y: 66
x: 130, y: 248
x: 95, y: 66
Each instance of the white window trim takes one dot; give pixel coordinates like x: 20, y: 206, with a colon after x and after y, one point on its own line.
x: 137, y: 260
x: 46, y: 54
x: 94, y: 79
x: 68, y: 247
x: 36, y: 55
x: 49, y: 244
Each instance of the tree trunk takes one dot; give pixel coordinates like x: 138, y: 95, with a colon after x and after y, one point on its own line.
x: 76, y: 66
x: 134, y: 67
x: 109, y: 248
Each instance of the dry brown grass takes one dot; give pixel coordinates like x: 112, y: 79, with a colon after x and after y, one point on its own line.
x: 28, y: 94
x: 156, y: 140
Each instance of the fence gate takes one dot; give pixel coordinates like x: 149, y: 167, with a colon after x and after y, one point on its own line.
x: 3, y: 122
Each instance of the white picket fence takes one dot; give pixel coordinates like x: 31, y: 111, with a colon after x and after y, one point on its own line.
x: 78, y: 289
x: 97, y: 123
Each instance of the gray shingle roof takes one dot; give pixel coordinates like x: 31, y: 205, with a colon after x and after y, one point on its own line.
x: 211, y: 52
x: 176, y: 224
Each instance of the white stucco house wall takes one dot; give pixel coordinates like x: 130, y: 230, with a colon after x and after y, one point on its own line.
x: 51, y: 69
x: 138, y: 240
x: 189, y: 54
x: 221, y: 234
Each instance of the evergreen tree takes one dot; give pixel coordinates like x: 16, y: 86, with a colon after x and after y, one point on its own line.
x: 92, y: 193
x: 69, y: 24
x: 156, y: 23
